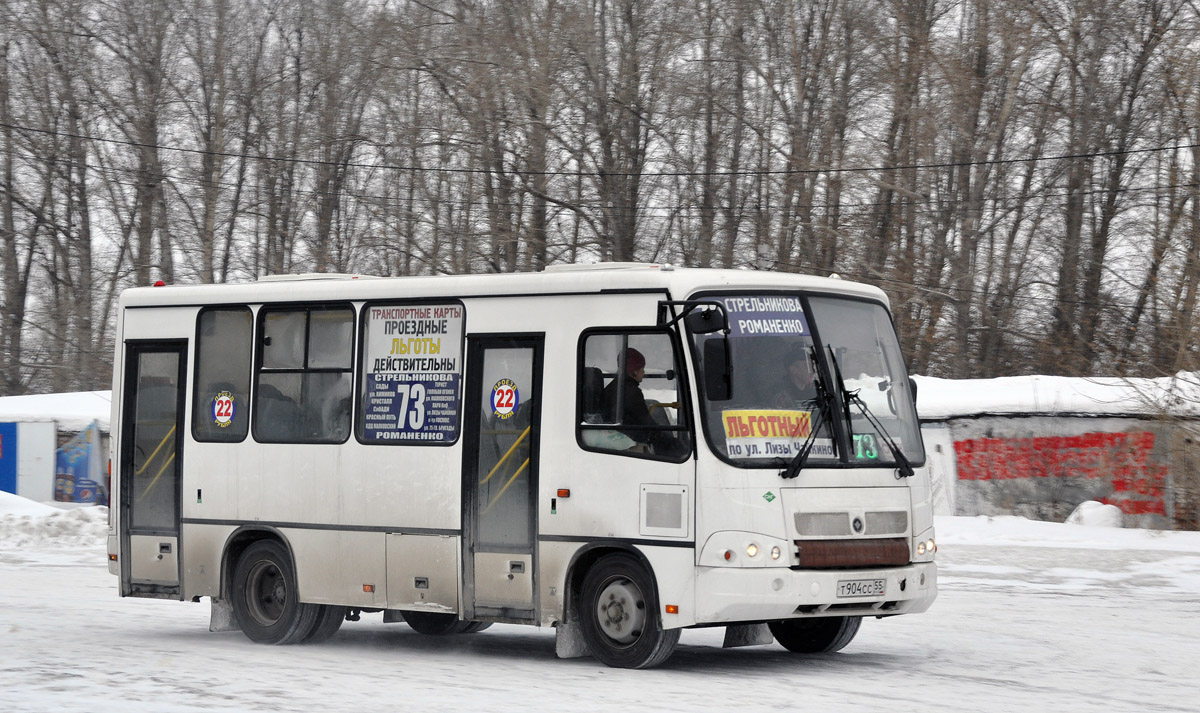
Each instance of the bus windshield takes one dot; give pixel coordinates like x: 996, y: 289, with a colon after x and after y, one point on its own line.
x: 823, y: 373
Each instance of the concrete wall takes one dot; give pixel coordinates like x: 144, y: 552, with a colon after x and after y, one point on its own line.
x: 1042, y: 467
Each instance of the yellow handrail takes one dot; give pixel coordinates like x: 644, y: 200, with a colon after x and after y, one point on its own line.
x: 156, y: 450
x: 510, y: 482
x: 156, y: 477
x: 506, y: 455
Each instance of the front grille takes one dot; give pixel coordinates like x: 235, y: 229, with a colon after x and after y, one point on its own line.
x: 822, y: 524
x: 888, y: 522
x: 852, y: 554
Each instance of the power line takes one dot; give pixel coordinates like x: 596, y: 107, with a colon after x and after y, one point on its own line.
x: 931, y: 205
x: 618, y: 174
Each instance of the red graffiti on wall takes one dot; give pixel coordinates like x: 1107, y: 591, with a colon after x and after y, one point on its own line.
x: 1124, y: 459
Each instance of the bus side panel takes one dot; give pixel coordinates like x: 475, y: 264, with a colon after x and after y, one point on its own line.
x: 118, y: 388
x: 553, y: 560
x: 401, y: 487
x: 340, y: 567
x: 202, y: 565
x: 423, y: 572
x: 674, y: 569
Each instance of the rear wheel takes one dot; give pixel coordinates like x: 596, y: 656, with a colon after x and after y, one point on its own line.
x: 619, y: 615
x: 815, y: 636
x: 266, y: 602
x: 329, y: 620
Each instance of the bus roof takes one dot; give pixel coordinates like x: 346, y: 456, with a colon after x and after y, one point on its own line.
x: 597, y: 278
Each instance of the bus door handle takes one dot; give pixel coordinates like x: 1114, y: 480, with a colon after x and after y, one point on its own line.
x: 515, y: 567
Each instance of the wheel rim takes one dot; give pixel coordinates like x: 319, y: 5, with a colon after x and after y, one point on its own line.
x: 266, y: 593
x: 621, y: 611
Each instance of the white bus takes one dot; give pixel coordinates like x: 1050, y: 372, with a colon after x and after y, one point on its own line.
x: 618, y: 451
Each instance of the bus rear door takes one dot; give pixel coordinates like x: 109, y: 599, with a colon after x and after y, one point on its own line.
x: 150, y: 467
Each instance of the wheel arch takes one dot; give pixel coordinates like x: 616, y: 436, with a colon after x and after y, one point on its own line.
x: 585, y: 558
x: 239, y: 541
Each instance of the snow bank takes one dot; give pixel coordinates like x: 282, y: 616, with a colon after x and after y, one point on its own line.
x: 1096, y: 514
x: 1010, y: 531
x: 24, y: 523
x: 16, y: 505
x: 1101, y: 396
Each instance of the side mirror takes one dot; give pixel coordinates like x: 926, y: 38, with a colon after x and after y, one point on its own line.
x: 704, y: 321
x: 717, y: 379
x: 912, y: 386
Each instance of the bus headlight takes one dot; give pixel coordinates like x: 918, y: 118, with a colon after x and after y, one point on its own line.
x: 739, y: 548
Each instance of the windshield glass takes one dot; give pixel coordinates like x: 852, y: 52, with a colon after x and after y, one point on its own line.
x: 778, y: 374
x: 860, y: 337
x: 775, y: 403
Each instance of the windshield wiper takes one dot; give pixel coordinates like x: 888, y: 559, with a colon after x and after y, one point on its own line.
x: 904, y: 468
x: 797, y: 463
x: 816, y: 421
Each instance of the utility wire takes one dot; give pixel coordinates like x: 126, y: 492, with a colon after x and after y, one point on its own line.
x: 618, y: 174
x: 931, y: 205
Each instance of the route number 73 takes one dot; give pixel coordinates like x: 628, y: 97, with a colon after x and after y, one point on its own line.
x: 412, y: 395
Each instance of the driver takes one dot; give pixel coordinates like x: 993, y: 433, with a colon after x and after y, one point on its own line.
x: 633, y: 411
x: 799, y: 386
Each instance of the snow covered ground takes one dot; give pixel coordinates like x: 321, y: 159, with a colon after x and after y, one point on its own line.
x: 1031, y: 616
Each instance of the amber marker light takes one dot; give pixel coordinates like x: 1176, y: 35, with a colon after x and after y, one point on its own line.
x: 369, y: 588
x: 112, y: 558
x: 672, y: 608
x: 564, y: 492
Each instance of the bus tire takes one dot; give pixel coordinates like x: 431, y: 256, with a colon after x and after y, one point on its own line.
x: 329, y: 620
x: 435, y: 623
x: 266, y: 601
x: 815, y: 636
x: 619, y: 615
x: 476, y: 626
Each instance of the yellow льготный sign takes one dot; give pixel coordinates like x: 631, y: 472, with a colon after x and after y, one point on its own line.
x: 766, y: 424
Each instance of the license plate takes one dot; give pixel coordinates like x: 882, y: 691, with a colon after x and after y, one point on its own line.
x: 861, y: 587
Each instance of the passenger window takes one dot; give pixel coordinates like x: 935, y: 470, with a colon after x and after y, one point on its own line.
x: 303, y: 394
x: 221, y: 398
x: 629, y: 398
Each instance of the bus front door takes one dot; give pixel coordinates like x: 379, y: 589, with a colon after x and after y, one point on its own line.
x: 500, y: 469
x: 150, y: 468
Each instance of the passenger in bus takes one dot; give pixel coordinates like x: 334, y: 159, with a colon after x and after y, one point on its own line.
x: 634, y: 411
x: 798, y: 388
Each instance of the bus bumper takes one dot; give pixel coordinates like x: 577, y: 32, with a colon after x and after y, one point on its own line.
x: 732, y: 594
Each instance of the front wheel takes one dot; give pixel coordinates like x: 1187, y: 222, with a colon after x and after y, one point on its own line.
x: 266, y: 602
x: 815, y: 636
x: 619, y: 614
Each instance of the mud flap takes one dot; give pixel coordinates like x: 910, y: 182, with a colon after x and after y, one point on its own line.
x: 221, y: 618
x: 568, y: 639
x: 747, y: 635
